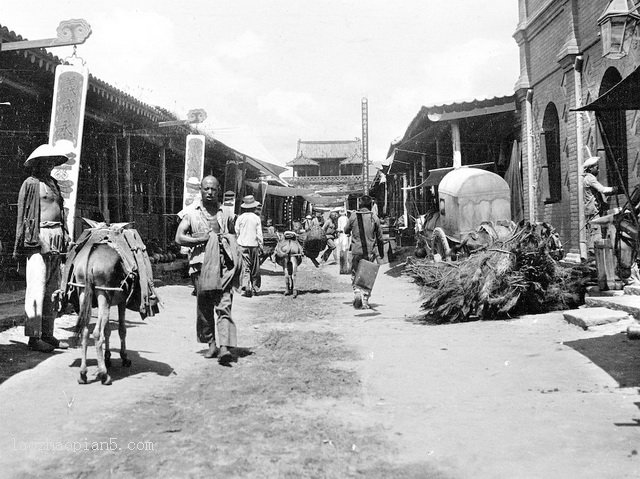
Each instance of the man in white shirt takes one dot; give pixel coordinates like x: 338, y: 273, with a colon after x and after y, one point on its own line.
x: 249, y: 230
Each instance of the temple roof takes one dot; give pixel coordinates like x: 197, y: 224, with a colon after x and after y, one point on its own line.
x: 314, y: 152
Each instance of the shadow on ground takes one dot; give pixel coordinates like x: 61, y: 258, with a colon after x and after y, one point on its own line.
x: 615, y: 354
x: 17, y: 357
x: 139, y: 364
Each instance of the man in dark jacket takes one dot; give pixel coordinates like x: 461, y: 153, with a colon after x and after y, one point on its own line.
x: 366, y: 234
x: 41, y: 236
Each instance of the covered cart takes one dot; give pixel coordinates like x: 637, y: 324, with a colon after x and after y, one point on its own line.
x: 474, y: 210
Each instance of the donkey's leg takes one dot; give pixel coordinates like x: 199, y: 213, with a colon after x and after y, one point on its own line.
x: 122, y: 330
x: 85, y: 343
x: 287, y: 277
x: 99, y: 335
x: 294, y: 269
x: 107, y: 349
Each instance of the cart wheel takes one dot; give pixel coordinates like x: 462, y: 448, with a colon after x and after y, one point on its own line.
x: 441, y: 244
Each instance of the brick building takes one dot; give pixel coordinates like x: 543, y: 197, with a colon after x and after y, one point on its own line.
x: 562, y: 67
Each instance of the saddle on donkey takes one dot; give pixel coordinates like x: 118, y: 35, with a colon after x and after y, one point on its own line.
x: 288, y: 247
x: 138, y: 284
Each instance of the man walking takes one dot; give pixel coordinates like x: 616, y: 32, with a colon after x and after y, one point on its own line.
x: 201, y: 224
x: 330, y: 228
x: 250, y: 241
x: 366, y: 233
x: 41, y: 236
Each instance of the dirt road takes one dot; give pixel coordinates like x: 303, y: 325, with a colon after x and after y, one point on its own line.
x: 322, y: 390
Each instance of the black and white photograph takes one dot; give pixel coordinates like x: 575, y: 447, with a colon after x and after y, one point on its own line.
x: 320, y: 240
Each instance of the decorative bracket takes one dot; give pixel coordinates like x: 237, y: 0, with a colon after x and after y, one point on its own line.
x: 70, y: 32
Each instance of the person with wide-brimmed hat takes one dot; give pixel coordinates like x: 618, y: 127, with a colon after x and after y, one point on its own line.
x: 595, y: 203
x: 42, y: 237
x: 250, y: 240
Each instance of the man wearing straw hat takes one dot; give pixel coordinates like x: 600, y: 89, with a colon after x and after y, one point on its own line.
x: 250, y: 241
x: 42, y: 237
x: 594, y: 199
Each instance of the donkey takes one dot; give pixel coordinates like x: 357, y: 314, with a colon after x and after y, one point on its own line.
x: 289, y: 254
x: 100, y: 269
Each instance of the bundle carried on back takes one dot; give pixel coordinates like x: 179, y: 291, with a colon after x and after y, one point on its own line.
x: 313, y: 242
x: 519, y: 275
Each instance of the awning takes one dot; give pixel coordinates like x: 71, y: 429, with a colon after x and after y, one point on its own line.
x: 281, y: 190
x: 436, y: 175
x: 625, y: 95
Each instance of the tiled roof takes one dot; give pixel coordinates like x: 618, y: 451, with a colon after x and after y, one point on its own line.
x: 320, y: 150
x: 48, y: 62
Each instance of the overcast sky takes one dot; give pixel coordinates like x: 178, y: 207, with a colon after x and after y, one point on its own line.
x: 272, y: 72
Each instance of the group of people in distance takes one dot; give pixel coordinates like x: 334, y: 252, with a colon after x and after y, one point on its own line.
x: 207, y: 217
x: 42, y: 239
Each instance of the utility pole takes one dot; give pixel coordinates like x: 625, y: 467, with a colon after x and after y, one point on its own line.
x: 365, y: 145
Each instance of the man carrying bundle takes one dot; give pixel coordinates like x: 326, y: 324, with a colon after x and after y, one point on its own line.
x: 366, y: 233
x: 216, y: 260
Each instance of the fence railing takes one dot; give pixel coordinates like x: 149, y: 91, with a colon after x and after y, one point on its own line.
x: 335, y: 180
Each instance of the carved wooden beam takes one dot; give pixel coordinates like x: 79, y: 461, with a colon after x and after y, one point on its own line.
x: 70, y: 32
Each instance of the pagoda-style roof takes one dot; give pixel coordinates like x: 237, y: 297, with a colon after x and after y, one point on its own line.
x: 314, y: 152
x: 302, y: 161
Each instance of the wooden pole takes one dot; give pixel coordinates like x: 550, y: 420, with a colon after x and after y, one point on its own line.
x: 163, y: 195
x: 127, y: 178
x: 423, y: 165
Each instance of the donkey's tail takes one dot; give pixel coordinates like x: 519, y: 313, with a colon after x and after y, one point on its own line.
x: 84, y: 315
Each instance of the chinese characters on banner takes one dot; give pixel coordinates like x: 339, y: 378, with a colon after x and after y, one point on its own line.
x: 193, y: 169
x: 67, y: 122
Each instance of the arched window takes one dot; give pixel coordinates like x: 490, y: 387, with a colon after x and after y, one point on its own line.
x: 550, y: 155
x: 612, y: 129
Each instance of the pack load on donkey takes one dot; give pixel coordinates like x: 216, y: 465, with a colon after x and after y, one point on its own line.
x: 288, y: 254
x: 108, y: 266
x: 127, y: 243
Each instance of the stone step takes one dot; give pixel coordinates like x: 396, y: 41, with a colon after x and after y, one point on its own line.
x: 627, y: 303
x: 594, y: 316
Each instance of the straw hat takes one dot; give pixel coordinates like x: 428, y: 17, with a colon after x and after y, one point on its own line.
x: 589, y: 162
x: 61, y: 151
x: 249, y: 202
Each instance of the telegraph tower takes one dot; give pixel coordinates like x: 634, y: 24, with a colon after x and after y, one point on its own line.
x: 365, y: 145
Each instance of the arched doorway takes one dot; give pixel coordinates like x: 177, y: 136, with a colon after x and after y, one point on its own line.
x: 613, y: 127
x: 551, y: 138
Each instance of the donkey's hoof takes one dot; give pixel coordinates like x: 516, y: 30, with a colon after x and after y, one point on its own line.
x: 295, y: 293
x: 83, y: 378
x: 107, y: 363
x: 126, y: 363
x: 104, y: 378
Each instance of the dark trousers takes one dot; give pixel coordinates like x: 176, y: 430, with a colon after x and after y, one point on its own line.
x: 331, y: 246
x: 214, y: 307
x: 250, y: 276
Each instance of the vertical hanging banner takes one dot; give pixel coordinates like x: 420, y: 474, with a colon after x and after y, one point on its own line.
x: 67, y: 122
x: 193, y: 169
